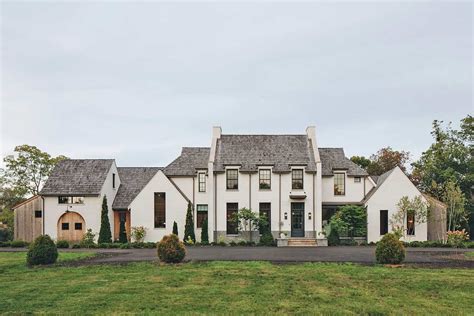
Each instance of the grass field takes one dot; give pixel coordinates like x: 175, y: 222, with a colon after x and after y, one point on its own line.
x: 232, y: 287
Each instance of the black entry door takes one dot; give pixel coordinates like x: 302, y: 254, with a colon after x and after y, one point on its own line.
x: 297, y: 219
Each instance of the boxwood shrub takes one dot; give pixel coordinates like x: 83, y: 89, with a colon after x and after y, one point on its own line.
x: 171, y: 249
x: 42, y: 251
x: 18, y: 244
x: 390, y: 250
x: 62, y: 244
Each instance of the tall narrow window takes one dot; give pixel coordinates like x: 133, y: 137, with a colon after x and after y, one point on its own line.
x: 202, y: 182
x: 201, y: 214
x: 411, y: 223
x: 339, y: 184
x: 232, y: 226
x: 160, y: 209
x: 113, y: 180
x: 266, y: 212
x: 265, y: 179
x: 232, y: 179
x: 383, y: 222
x: 297, y: 179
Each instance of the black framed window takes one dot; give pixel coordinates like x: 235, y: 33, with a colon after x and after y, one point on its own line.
x: 38, y: 214
x: 70, y: 199
x: 232, y: 226
x: 265, y: 211
x: 201, y: 210
x: 232, y: 179
x: 411, y: 223
x: 65, y: 226
x: 78, y: 226
x: 339, y: 184
x: 265, y: 179
x: 383, y: 222
x: 160, y: 209
x: 113, y: 180
x: 297, y: 179
x: 202, y: 182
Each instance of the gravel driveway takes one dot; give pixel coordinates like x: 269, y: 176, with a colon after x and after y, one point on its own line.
x: 423, y: 256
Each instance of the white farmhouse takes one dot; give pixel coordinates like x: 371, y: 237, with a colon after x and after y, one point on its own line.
x: 296, y: 184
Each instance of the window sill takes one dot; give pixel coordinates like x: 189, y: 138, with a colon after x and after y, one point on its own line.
x: 232, y: 190
x: 267, y: 190
x: 232, y: 235
x: 159, y: 228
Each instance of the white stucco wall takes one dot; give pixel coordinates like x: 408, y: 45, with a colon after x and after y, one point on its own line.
x: 249, y: 195
x: 387, y: 197
x: 354, y: 190
x: 90, y: 210
x: 142, y: 208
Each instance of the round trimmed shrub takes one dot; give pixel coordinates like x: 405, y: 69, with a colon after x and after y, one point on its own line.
x: 62, y: 244
x: 42, y: 251
x: 390, y: 250
x: 171, y: 250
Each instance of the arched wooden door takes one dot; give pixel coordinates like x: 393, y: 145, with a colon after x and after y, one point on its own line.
x: 71, y: 227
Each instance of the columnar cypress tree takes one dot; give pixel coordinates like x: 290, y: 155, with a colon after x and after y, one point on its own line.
x: 175, y: 228
x: 189, y: 228
x: 204, y: 233
x: 105, y: 236
x: 123, y: 233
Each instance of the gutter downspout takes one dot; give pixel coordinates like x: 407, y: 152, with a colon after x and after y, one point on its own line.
x: 43, y: 216
x: 279, y: 205
x: 215, y: 208
x: 314, y: 205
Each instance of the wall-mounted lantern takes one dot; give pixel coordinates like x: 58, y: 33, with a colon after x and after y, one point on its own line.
x: 286, y: 215
x: 309, y: 215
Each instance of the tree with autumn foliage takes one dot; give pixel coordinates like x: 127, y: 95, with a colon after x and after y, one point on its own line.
x: 384, y: 160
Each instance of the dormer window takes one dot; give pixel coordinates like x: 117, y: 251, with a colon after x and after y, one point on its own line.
x: 232, y: 179
x: 265, y: 179
x: 202, y: 182
x: 297, y: 179
x: 339, y: 184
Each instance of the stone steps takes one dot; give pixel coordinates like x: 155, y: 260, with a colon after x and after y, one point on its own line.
x: 302, y: 242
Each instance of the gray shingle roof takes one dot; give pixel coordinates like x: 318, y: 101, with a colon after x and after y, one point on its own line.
x: 77, y: 177
x: 334, y: 158
x: 132, y: 182
x: 191, y: 158
x: 251, y: 151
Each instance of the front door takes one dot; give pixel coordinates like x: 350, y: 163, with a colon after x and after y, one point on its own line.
x: 297, y: 219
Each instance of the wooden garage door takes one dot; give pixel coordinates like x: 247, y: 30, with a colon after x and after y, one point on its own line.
x: 71, y: 227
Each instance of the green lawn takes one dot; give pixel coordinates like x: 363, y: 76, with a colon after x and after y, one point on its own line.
x: 232, y: 287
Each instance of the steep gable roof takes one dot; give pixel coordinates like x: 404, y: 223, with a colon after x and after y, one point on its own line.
x: 251, y: 151
x: 77, y: 177
x: 379, y: 181
x: 335, y: 159
x: 132, y: 182
x: 191, y: 159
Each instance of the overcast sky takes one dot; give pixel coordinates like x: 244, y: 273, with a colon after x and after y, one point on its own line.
x: 137, y: 81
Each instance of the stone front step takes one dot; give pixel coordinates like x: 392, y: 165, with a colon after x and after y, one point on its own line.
x: 302, y: 242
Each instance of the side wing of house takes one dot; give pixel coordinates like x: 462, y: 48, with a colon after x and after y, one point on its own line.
x: 382, y: 205
x: 157, y: 206
x: 73, y: 197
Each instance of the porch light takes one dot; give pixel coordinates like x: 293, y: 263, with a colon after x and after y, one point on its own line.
x: 286, y: 215
x: 309, y: 215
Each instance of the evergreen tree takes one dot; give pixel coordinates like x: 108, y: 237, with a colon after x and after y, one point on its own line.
x: 105, y: 236
x: 175, y: 228
x: 204, y: 233
x: 189, y: 228
x: 123, y: 233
